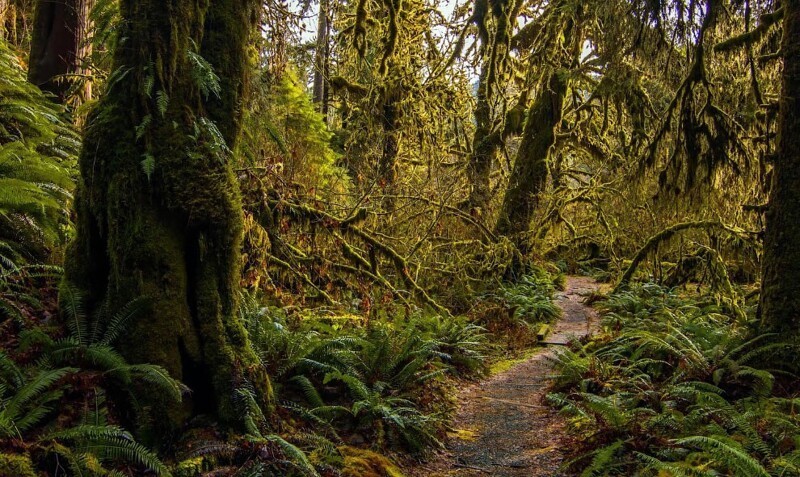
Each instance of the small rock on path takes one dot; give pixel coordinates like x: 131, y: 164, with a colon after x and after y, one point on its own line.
x: 506, y: 428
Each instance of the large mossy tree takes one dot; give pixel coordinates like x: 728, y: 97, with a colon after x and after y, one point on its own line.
x: 780, y: 286
x: 529, y: 176
x: 159, y: 212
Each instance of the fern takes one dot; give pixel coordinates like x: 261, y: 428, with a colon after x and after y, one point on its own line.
x: 38, y: 154
x: 162, y: 102
x: 203, y: 75
x: 30, y: 402
x: 109, y: 443
x: 603, y: 461
x: 726, y: 455
x: 148, y: 165
x: 680, y: 379
x: 296, y: 457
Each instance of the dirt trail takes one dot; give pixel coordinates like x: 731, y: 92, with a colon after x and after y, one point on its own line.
x: 506, y: 430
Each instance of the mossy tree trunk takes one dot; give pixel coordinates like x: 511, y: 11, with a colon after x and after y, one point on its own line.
x: 58, y: 44
x: 529, y: 176
x: 5, y: 14
x: 390, y: 123
x: 495, y: 22
x: 158, y: 205
x: 485, y: 145
x: 780, y: 283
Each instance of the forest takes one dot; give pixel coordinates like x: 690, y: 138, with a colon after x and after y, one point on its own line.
x: 399, y: 238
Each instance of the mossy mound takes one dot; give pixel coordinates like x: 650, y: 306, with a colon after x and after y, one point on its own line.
x: 190, y: 467
x: 12, y: 465
x: 366, y: 463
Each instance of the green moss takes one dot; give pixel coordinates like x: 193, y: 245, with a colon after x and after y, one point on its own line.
x: 503, y: 365
x: 366, y: 463
x: 175, y: 233
x: 190, y: 467
x: 468, y: 435
x: 16, y: 466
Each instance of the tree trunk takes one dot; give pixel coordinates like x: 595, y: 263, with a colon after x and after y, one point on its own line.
x: 159, y: 209
x: 530, y: 172
x: 485, y: 144
x: 780, y: 283
x: 58, y: 44
x: 321, y: 59
x: 14, y: 18
x: 387, y: 166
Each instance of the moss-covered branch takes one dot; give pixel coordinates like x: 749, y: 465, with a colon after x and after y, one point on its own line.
x: 666, y: 234
x: 752, y: 36
x: 349, y: 227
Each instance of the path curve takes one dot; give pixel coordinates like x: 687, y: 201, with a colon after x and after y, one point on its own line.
x: 505, y: 428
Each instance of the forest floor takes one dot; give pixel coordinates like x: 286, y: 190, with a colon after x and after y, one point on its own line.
x: 503, y: 427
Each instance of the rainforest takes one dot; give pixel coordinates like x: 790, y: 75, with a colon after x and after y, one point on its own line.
x: 399, y: 238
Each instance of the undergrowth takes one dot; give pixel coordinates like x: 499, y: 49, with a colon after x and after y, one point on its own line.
x: 678, y: 386
x: 354, y: 393
x: 54, y: 388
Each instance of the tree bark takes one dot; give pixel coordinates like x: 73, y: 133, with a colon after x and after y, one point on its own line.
x: 489, y: 130
x: 58, y: 44
x: 780, y: 283
x: 529, y: 177
x: 321, y: 59
x: 158, y: 206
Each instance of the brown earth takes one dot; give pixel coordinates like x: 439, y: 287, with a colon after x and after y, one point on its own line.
x: 503, y: 427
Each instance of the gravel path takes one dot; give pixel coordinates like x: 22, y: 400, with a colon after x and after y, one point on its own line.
x: 505, y: 428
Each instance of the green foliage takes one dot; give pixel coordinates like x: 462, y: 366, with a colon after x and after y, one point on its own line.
x: 37, y: 158
x: 16, y: 465
x: 203, y: 75
x: 296, y: 147
x: 55, y: 403
x: 31, y: 400
x: 677, y: 387
x: 90, y: 344
x: 531, y: 297
x: 371, y: 380
x: 16, y: 292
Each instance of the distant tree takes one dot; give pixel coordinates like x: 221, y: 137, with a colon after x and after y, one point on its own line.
x: 529, y: 176
x: 59, y: 44
x: 532, y: 165
x: 15, y: 16
x: 495, y: 26
x: 321, y: 61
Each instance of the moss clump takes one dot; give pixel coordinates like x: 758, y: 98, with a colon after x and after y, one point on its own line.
x: 366, y: 463
x: 190, y: 467
x: 503, y: 365
x: 468, y: 435
x: 16, y: 465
